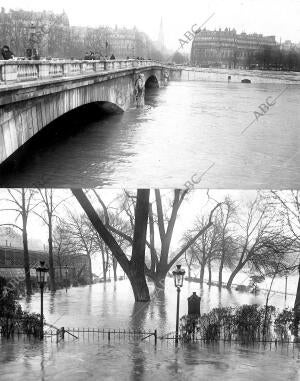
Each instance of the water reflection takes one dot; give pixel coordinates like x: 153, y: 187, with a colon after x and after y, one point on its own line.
x: 52, y: 301
x: 97, y: 360
x: 138, y: 316
x: 138, y: 359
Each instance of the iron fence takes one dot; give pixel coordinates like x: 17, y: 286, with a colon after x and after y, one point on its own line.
x: 100, y: 334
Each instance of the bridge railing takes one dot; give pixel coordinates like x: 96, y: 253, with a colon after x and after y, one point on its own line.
x: 23, y: 70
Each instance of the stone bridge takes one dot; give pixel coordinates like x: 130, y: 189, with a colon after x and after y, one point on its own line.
x: 35, y: 93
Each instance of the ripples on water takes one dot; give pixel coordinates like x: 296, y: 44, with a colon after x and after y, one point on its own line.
x: 183, y: 129
x: 97, y: 360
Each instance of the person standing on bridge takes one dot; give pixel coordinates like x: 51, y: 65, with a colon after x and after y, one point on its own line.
x: 7, y: 54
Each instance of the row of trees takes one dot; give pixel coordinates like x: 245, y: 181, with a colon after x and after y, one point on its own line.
x: 136, y: 230
x: 275, y: 58
x: 270, y: 58
x: 252, y: 237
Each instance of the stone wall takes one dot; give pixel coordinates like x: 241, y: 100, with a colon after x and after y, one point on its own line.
x: 256, y: 76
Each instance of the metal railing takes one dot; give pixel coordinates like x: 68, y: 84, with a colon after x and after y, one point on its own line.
x: 100, y: 334
x: 15, y: 71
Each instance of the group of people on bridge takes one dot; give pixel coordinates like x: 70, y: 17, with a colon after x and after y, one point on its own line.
x: 98, y: 56
x: 32, y: 54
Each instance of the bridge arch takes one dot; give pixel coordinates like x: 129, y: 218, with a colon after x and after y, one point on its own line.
x: 27, y: 118
x: 152, y: 82
x: 27, y: 108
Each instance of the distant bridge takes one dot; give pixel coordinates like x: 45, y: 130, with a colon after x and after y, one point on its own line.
x: 35, y: 93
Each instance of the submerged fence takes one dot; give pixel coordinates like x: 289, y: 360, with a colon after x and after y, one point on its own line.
x: 58, y: 334
x: 106, y: 334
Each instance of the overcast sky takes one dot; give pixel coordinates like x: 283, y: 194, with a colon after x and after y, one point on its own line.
x: 269, y: 17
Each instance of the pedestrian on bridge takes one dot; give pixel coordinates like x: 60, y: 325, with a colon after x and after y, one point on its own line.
x: 7, y: 54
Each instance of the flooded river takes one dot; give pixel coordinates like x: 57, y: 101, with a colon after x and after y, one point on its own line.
x: 183, y: 129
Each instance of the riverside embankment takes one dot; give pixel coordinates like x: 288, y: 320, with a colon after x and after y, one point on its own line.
x: 236, y: 75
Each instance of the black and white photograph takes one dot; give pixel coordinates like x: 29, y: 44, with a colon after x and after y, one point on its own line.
x: 149, y: 190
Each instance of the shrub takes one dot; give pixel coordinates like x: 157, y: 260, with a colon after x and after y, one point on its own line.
x: 245, y: 323
x: 284, y: 324
x: 12, y: 318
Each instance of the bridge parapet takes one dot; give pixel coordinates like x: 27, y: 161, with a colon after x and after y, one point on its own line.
x: 16, y: 71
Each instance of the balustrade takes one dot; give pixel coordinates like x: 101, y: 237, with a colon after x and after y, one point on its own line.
x: 22, y: 70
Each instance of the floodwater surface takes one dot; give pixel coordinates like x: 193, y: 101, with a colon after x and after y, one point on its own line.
x: 184, y: 129
x: 111, y: 305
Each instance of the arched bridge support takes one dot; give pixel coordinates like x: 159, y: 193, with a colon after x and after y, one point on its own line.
x: 28, y: 107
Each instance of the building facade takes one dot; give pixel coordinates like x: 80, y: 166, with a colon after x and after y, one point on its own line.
x: 53, y: 36
x: 105, y: 41
x: 47, y: 31
x: 228, y: 49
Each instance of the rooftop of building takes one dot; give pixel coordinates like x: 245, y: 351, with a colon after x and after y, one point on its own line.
x: 233, y: 32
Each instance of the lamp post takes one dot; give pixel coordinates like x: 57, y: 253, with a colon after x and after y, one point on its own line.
x: 178, y: 275
x: 42, y: 276
x: 32, y: 39
x: 66, y: 276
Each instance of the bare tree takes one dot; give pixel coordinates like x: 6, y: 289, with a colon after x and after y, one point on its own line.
x: 206, y: 248
x: 83, y: 238
x: 22, y: 204
x: 48, y: 216
x: 226, y: 218
x: 162, y: 222
x: 258, y: 234
x: 63, y: 245
x: 135, y: 266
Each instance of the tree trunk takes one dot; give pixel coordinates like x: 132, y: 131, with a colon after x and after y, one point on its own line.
x: 233, y: 274
x: 51, y: 261
x: 90, y: 274
x: 159, y: 281
x: 297, y: 307
x: 103, y: 259
x: 209, y: 273
x: 104, y: 267
x: 135, y: 268
x: 189, y: 271
x: 26, y: 257
x: 264, y: 332
x: 202, y: 273
x: 137, y: 262
x: 60, y: 269
x: 115, y: 264
x: 221, y: 272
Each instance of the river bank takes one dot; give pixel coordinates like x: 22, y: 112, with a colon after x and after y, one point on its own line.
x: 237, y: 75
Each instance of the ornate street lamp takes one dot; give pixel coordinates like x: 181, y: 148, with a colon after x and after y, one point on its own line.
x: 42, y: 277
x: 178, y: 275
x: 66, y: 276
